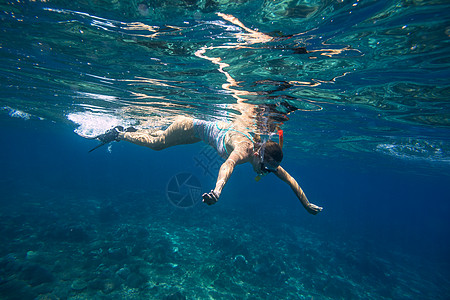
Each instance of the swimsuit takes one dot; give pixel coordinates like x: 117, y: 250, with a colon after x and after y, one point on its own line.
x: 210, y: 133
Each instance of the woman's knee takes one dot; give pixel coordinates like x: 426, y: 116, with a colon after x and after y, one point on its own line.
x: 183, y: 119
x: 183, y: 124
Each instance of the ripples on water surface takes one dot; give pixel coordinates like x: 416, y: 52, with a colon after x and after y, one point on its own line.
x: 365, y: 76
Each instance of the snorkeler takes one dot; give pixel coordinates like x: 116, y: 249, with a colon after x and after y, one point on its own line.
x: 232, y: 142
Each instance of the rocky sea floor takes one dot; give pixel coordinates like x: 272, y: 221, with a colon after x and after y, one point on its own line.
x: 138, y: 246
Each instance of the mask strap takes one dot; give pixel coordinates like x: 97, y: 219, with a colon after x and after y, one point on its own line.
x: 261, y: 151
x: 264, y: 139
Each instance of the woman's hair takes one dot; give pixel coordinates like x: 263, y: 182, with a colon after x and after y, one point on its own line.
x: 273, y: 150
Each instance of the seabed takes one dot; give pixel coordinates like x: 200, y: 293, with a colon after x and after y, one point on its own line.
x: 131, y: 246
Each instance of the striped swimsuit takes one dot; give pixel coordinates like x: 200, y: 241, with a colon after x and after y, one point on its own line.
x: 210, y: 133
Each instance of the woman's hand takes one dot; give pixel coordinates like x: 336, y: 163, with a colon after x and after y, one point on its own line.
x: 313, y: 209
x: 210, y: 198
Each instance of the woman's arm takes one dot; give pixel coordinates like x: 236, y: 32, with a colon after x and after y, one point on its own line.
x: 236, y: 157
x: 283, y: 175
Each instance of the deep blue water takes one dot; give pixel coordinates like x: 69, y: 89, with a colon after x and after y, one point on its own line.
x: 368, y: 141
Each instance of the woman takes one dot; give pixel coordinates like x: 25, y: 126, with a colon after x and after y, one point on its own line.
x: 232, y: 143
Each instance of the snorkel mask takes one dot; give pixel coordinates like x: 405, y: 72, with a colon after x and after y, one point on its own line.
x: 265, y: 166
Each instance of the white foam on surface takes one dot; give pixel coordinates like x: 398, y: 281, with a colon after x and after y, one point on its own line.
x: 91, y: 124
x: 415, y: 150
x: 15, y: 113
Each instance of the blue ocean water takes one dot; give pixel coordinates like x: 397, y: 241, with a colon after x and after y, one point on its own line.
x: 360, y: 89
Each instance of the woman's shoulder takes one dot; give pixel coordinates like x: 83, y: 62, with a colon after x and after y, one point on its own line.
x: 240, y: 142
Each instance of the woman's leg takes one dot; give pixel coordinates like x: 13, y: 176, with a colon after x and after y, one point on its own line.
x: 180, y: 132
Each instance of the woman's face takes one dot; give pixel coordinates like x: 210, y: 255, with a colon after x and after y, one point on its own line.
x: 265, y: 165
x: 269, y: 165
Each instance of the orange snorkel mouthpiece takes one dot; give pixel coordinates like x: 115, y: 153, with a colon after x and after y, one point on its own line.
x: 280, y: 136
